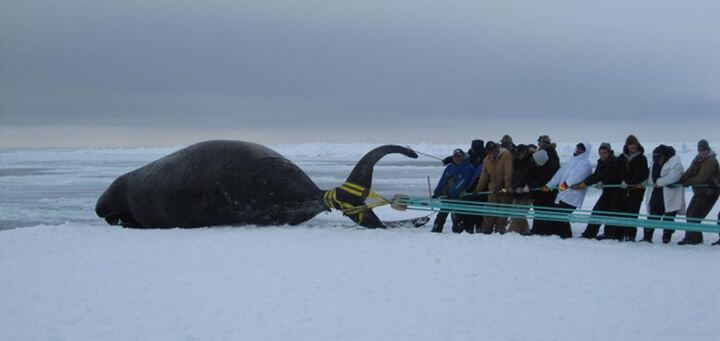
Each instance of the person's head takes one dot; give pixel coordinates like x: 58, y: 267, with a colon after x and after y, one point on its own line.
x: 458, y: 156
x: 532, y: 148
x: 507, y: 142
x: 521, y: 151
x: 477, y: 146
x: 579, y: 149
x: 670, y: 152
x: 491, y: 148
x: 703, y: 148
x: 605, y: 151
x: 544, y: 141
x: 659, y: 155
x: 632, y: 144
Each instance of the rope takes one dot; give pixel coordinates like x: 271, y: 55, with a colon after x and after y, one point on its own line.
x: 428, y: 155
x: 548, y: 189
x: 555, y: 214
x: 569, y: 210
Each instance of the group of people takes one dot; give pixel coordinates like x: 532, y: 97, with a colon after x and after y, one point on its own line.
x: 532, y: 176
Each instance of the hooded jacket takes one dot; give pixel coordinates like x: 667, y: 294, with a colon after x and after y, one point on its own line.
x: 573, y: 172
x: 702, y: 171
x: 673, y: 197
x: 634, y: 170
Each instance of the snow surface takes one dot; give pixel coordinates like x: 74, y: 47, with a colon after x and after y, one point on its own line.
x: 75, y: 282
x: 65, y: 275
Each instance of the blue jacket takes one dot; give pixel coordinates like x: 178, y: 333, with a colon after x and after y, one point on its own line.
x: 462, y: 176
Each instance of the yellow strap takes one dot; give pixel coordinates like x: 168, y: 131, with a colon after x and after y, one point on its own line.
x: 360, y: 191
x: 331, y: 200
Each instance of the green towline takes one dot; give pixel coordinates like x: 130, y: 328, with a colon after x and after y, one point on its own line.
x: 556, y: 214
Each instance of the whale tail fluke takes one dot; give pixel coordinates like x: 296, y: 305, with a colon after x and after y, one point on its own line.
x: 361, y: 179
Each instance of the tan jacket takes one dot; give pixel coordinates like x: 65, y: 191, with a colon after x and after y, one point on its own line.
x: 497, y: 172
x: 702, y: 172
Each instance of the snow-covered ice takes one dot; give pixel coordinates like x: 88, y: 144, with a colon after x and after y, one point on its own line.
x: 74, y: 282
x: 67, y: 276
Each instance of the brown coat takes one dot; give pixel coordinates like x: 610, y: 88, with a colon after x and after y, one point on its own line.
x: 497, y: 173
x: 702, y: 171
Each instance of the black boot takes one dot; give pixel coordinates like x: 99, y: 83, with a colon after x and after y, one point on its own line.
x: 591, y: 232
x: 666, y: 239
x: 692, y: 238
x: 667, y: 236
x: 457, y: 223
x: 609, y: 233
x: 439, y: 222
x: 647, y: 236
x: 468, y: 224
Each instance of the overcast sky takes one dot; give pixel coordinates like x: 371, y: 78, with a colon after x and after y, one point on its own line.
x: 167, y: 72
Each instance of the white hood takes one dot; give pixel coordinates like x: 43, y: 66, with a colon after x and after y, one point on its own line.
x: 573, y: 172
x: 673, y: 197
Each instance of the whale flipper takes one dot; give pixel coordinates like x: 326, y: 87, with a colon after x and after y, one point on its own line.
x: 362, y: 175
x: 363, y: 171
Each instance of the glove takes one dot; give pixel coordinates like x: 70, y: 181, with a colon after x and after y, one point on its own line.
x: 563, y: 186
x: 526, y: 189
x: 545, y: 189
x: 624, y: 185
x: 599, y: 185
x: 578, y: 186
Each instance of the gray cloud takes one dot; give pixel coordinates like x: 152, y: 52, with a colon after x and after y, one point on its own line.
x: 332, y: 64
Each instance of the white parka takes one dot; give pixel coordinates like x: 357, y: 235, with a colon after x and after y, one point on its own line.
x: 674, y: 197
x: 573, y: 172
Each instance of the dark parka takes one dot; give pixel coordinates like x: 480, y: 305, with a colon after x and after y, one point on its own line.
x: 542, y: 175
x: 607, y: 172
x: 523, y: 173
x: 634, y: 172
